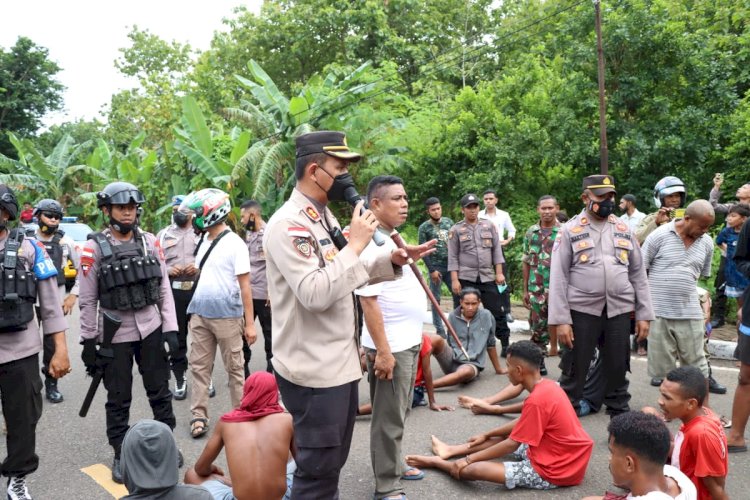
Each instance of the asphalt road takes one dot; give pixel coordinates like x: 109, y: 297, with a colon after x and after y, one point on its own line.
x: 67, y: 443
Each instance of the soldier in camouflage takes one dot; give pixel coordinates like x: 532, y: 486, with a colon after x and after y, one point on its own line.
x: 436, y: 228
x: 537, y: 258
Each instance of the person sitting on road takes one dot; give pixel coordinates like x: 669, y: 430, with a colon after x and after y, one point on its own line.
x: 149, y: 465
x: 258, y: 437
x: 551, y: 447
x: 700, y: 446
x: 475, y: 328
x: 638, y: 448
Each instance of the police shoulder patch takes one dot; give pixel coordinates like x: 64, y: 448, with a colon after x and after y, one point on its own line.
x: 303, y: 247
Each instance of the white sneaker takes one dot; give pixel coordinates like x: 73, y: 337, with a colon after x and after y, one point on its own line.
x: 17, y: 489
x: 180, y: 389
x: 211, y: 389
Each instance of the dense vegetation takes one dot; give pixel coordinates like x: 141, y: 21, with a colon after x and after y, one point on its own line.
x: 453, y: 95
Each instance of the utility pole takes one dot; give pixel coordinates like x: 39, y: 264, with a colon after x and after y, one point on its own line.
x: 603, y: 151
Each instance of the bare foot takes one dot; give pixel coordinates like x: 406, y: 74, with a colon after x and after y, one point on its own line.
x: 482, y: 408
x: 422, y: 461
x: 439, y: 448
x: 466, y: 402
x: 502, y: 371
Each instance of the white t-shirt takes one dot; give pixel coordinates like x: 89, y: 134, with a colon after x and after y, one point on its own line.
x: 501, y: 219
x: 402, y: 303
x: 218, y: 292
x: 687, y: 488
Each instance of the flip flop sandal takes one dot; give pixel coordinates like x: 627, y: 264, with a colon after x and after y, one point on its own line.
x: 412, y: 477
x: 198, y: 427
x: 737, y: 448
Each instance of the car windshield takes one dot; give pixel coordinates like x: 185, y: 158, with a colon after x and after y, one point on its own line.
x: 76, y: 231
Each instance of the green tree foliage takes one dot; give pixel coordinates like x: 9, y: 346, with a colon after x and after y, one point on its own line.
x: 28, y: 90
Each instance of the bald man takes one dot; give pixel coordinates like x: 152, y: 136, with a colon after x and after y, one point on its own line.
x: 676, y: 254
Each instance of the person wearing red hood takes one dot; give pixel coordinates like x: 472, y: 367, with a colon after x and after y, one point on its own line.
x: 258, y: 437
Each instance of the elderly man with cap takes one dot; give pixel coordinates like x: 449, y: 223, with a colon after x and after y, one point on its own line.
x: 178, y: 241
x: 597, y: 279
x: 475, y: 259
x: 312, y: 273
x: 28, y: 274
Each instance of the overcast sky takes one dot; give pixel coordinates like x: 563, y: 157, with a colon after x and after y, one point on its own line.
x: 83, y: 37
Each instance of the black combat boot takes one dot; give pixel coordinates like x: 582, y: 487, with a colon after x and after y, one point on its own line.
x: 51, y: 392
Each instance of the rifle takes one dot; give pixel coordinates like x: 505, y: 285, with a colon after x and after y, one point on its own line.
x: 111, y: 325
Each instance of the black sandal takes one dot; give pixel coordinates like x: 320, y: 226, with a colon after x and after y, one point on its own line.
x: 198, y: 427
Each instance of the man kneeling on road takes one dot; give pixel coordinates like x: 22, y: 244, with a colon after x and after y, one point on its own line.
x: 258, y: 439
x: 475, y: 328
x: 546, y: 455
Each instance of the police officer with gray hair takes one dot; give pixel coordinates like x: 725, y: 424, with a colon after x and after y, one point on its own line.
x: 124, y: 273
x: 597, y: 278
x: 27, y: 274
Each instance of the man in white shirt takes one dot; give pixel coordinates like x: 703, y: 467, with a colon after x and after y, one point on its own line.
x: 631, y: 215
x: 392, y: 337
x: 501, y: 219
x: 638, y: 447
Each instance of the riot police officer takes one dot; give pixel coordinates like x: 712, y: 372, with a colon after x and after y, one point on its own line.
x: 28, y: 274
x: 123, y: 272
x: 60, y: 248
x: 178, y: 242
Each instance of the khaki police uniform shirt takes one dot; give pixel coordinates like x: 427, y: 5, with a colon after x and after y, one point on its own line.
x: 597, y: 264
x: 19, y: 345
x: 178, y: 245
x: 258, y: 281
x: 68, y: 252
x: 136, y: 325
x: 310, y: 284
x: 474, y: 250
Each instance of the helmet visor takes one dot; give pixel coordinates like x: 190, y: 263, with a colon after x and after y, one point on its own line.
x: 127, y: 196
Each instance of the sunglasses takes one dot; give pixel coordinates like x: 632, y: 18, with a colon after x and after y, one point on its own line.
x: 52, y: 215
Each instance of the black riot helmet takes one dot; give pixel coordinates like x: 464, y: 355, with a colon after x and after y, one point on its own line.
x: 119, y: 193
x: 48, y: 205
x: 8, y: 201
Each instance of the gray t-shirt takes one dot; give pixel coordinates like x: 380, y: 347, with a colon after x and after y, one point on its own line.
x: 673, y: 272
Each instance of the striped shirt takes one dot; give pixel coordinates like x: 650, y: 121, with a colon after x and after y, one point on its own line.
x: 673, y: 272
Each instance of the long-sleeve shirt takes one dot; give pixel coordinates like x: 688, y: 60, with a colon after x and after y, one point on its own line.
x: 136, y: 325
x: 597, y: 264
x: 502, y: 221
x: 713, y: 199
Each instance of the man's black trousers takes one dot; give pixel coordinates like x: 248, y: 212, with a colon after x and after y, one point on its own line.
x: 262, y: 311
x: 178, y: 361
x: 118, y: 380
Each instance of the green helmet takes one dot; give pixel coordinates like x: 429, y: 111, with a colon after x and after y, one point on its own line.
x: 208, y: 206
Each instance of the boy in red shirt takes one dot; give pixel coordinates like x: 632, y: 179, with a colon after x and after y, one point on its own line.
x: 700, y: 446
x: 550, y: 446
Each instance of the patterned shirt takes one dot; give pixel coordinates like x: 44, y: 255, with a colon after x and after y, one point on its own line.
x: 431, y: 231
x: 537, y: 253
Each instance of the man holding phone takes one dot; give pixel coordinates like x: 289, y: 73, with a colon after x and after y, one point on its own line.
x: 669, y: 198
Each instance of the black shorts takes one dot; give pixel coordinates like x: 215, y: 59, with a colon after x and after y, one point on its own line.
x: 743, y: 348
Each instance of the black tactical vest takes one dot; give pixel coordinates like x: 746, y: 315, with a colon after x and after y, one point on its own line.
x: 17, y: 287
x: 55, y: 251
x: 129, y: 278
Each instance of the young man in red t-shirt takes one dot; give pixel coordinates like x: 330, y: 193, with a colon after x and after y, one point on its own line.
x: 700, y: 446
x: 550, y: 446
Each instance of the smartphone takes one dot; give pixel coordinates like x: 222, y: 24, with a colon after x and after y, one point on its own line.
x: 677, y: 213
x: 718, y: 177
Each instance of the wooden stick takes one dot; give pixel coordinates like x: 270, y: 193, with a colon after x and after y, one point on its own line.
x: 399, y: 241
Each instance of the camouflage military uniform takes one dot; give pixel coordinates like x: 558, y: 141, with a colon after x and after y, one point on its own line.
x: 537, y: 253
x: 437, y: 261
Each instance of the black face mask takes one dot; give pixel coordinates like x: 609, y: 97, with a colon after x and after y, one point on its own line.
x: 47, y: 229
x: 250, y: 226
x: 340, y: 184
x: 121, y: 227
x: 602, y: 209
x: 180, y: 218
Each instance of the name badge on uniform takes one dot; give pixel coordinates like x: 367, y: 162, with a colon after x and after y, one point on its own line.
x: 580, y: 237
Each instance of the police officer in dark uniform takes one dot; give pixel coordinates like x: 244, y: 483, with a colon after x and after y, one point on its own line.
x: 124, y: 274
x: 27, y: 274
x: 475, y: 259
x: 60, y: 248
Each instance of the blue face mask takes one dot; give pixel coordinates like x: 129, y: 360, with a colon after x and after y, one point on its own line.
x: 502, y: 287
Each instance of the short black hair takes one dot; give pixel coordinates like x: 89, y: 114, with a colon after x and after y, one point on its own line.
x: 562, y: 216
x: 379, y: 181
x: 304, y: 161
x: 490, y: 191
x: 249, y: 204
x: 740, y: 209
x: 432, y: 200
x: 544, y: 198
x: 468, y: 291
x: 692, y: 382
x: 629, y: 197
x: 527, y: 351
x: 644, y: 434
